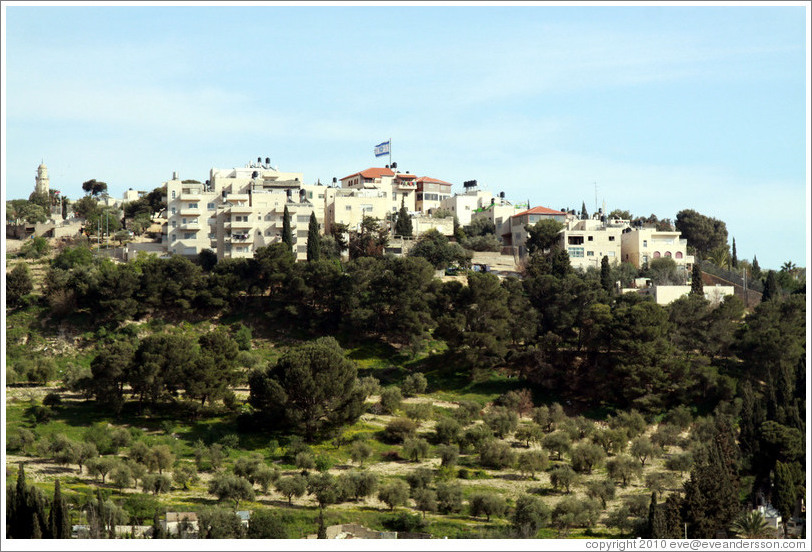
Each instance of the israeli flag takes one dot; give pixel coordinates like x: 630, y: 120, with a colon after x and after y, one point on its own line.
x: 382, y: 149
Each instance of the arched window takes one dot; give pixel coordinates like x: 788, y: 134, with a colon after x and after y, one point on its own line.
x: 678, y: 255
x: 656, y: 255
x: 667, y: 253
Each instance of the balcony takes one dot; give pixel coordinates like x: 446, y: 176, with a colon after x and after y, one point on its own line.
x: 189, y: 212
x: 191, y: 196
x: 190, y: 225
x: 236, y: 197
x: 240, y: 224
x: 242, y: 208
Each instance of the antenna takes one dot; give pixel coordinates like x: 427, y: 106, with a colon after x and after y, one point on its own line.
x: 596, y: 196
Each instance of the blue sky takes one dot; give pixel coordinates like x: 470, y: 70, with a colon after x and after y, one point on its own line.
x: 665, y: 108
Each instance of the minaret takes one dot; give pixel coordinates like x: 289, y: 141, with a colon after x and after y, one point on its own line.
x: 43, y: 185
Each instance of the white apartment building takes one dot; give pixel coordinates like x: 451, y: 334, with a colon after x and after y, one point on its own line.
x: 430, y: 193
x: 640, y: 246
x: 514, y: 232
x: 464, y: 205
x: 588, y: 241
x: 240, y: 210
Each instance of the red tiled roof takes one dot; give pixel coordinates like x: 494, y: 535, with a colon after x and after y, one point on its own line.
x: 403, y: 176
x: 432, y: 180
x: 540, y: 211
x: 372, y: 172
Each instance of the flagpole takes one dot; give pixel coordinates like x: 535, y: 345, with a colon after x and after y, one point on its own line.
x: 390, y: 152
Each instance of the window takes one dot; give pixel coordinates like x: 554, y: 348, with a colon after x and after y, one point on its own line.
x: 589, y: 238
x: 575, y: 251
x: 575, y: 240
x: 183, y: 220
x: 173, y: 210
x: 667, y: 253
x: 656, y: 254
x: 193, y: 206
x: 173, y: 238
x: 212, y: 236
x: 590, y: 253
x: 348, y: 208
x: 611, y: 238
x: 188, y: 235
x: 309, y: 195
x: 366, y: 208
x: 645, y: 243
x: 610, y: 254
x: 210, y: 207
x: 173, y: 194
x: 174, y: 224
x: 678, y: 255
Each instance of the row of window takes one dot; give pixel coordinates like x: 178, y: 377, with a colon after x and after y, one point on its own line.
x: 578, y: 252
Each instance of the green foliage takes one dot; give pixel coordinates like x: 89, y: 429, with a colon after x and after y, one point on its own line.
x: 702, y: 233
x: 572, y: 512
x: 291, y: 486
x: 487, y: 504
x: 501, y: 421
x: 35, y: 248
x: 94, y: 187
x: 231, y: 487
x: 394, y: 493
x: 497, y: 455
x: 220, y: 523
x: 414, y: 384
x: 19, y: 211
x: 586, y: 456
x: 530, y: 515
x: 449, y: 497
x: 391, y: 399
x: 403, y: 225
x: 311, y: 389
x: 399, y: 429
x: 18, y: 285
x: 266, y: 524
x: 623, y: 468
x: 313, y: 240
x: 438, y: 251
x: 543, y: 236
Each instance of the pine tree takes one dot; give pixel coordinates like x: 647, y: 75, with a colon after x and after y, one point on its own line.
x: 287, y: 235
x: 313, y: 239
x: 786, y: 491
x: 58, y: 517
x: 770, y: 287
x: 606, y: 275
x: 696, y: 281
x: 734, y: 261
x: 403, y: 226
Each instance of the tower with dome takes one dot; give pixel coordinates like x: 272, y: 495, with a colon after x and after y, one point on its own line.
x: 43, y: 184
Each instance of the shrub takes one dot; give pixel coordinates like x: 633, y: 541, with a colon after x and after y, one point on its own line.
x: 530, y: 515
x: 447, y: 430
x: 501, y: 421
x: 399, y: 430
x: 533, y: 461
x: 394, y: 493
x: 467, y: 412
x: 586, y: 456
x: 419, y: 412
x: 520, y: 401
x: 487, y: 504
x: 391, y: 399
x: 414, y: 384
x: 475, y: 436
x: 359, y: 452
x: 497, y: 455
x: 558, y: 442
x: 449, y: 497
x: 563, y: 477
x: 415, y: 449
x: 449, y: 454
x: 679, y: 462
x: 405, y: 522
x: 419, y: 478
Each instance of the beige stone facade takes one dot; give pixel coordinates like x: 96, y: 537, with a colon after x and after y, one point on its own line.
x: 640, y: 246
x: 588, y: 241
x: 240, y: 210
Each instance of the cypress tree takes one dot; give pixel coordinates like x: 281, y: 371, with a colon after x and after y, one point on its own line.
x: 157, y: 528
x: 37, y: 531
x: 786, y: 491
x: 58, y: 518
x: 403, y: 226
x: 770, y: 287
x: 734, y: 261
x: 313, y: 239
x: 584, y: 214
x: 287, y: 235
x: 756, y: 269
x: 696, y: 281
x: 606, y: 275
x: 652, y: 516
